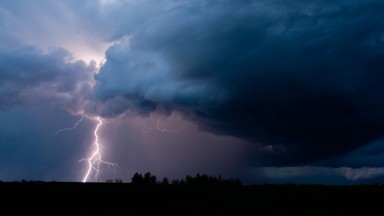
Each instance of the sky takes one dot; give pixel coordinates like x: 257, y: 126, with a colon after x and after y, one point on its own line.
x: 265, y: 91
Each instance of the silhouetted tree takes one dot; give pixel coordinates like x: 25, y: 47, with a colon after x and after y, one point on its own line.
x: 153, y: 179
x: 204, y: 179
x: 137, y: 179
x: 199, y: 179
x: 189, y: 179
x: 149, y: 178
x: 165, y: 181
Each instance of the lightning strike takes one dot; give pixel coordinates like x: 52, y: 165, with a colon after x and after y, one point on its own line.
x: 95, y: 160
x: 71, y: 128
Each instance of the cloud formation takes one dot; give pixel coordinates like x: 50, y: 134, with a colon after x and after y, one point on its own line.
x: 29, y: 75
x: 303, y: 78
x: 72, y: 25
x: 300, y: 81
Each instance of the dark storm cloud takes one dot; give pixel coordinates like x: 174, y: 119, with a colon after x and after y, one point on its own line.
x: 29, y: 75
x: 303, y: 79
x: 370, y: 155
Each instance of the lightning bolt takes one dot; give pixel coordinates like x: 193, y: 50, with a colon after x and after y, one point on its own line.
x: 71, y: 128
x: 95, y: 160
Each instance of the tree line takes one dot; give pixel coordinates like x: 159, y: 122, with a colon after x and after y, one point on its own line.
x: 198, y: 179
x: 150, y: 179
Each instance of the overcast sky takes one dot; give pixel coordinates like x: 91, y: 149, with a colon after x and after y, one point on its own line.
x: 260, y: 90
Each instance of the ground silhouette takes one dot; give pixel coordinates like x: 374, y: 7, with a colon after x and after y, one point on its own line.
x: 193, y: 195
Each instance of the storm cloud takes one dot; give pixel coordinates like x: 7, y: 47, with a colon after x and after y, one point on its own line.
x: 302, y: 79
x: 266, y: 86
x: 29, y: 75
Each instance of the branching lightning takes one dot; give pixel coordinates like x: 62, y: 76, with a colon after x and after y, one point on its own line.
x: 95, y: 160
x: 71, y: 128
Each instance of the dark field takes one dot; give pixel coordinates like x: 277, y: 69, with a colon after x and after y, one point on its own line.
x: 36, y: 198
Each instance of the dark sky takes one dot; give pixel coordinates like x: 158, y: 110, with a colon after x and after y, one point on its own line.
x: 261, y: 90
